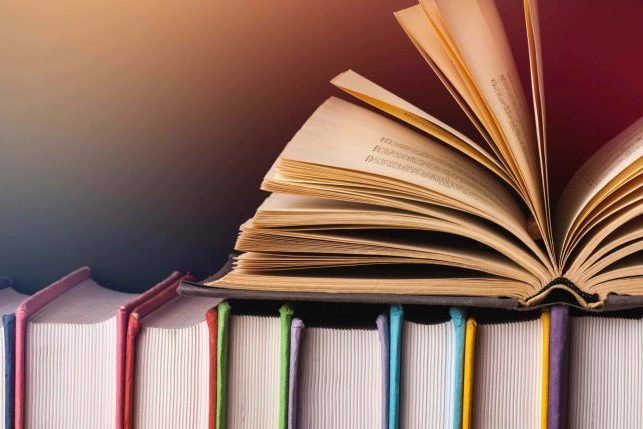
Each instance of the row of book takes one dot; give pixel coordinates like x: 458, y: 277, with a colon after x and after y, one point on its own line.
x: 78, y: 355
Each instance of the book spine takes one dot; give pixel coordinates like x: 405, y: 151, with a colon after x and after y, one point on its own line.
x: 285, y: 319
x: 467, y: 380
x: 558, y: 366
x: 546, y: 330
x: 396, y: 317
x: 9, y: 326
x: 122, y: 318
x: 133, y: 328
x: 458, y: 319
x: 25, y: 310
x: 212, y: 320
x: 222, y: 364
x: 296, y: 333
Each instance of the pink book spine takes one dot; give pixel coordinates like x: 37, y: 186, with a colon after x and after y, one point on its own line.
x: 122, y: 318
x: 135, y: 321
x: 29, y: 307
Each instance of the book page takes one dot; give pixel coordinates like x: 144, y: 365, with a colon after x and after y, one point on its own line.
x: 418, y: 28
x: 346, y: 137
x: 538, y: 94
x: 325, y: 245
x: 617, y: 162
x: 388, y: 102
x: 296, y: 212
x: 475, y: 34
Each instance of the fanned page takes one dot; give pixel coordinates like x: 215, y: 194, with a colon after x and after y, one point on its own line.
x: 538, y: 96
x: 617, y: 165
x: 345, y: 152
x: 348, y: 138
x: 352, y: 150
x: 466, y: 42
x: 384, y: 100
x: 315, y: 216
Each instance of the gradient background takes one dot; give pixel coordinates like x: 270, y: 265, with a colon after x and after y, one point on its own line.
x: 134, y: 134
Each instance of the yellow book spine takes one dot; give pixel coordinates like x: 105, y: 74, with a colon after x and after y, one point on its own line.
x: 544, y: 396
x: 469, y: 361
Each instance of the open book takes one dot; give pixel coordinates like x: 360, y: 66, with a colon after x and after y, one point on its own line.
x: 397, y: 202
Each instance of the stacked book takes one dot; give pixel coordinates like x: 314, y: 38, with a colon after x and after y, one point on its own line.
x: 400, y: 275
x: 78, y: 355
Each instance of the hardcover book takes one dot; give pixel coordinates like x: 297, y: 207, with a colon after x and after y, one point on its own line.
x: 391, y: 201
x: 605, y: 370
x: 10, y: 299
x: 70, y: 348
x: 339, y: 367
x: 171, y: 342
x: 426, y: 367
x: 509, y: 372
x: 253, y: 348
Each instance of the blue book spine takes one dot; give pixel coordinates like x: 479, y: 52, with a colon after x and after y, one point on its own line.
x: 9, y: 326
x: 396, y: 316
x: 458, y: 319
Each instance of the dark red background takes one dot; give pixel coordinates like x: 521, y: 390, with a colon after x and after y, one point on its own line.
x: 134, y: 135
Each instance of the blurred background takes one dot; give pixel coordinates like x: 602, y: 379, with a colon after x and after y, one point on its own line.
x: 134, y: 134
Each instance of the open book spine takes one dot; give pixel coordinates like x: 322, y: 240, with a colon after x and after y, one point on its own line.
x: 122, y: 338
x: 545, y: 298
x: 29, y: 307
x: 140, y: 307
x: 558, y: 365
x: 9, y: 327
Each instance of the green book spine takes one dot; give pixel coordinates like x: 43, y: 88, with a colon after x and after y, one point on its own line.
x: 285, y: 314
x: 222, y: 364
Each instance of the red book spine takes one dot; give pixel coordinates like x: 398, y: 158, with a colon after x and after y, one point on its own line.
x: 212, y: 318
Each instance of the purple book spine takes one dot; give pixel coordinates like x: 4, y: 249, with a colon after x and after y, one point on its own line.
x: 296, y: 331
x: 558, y: 364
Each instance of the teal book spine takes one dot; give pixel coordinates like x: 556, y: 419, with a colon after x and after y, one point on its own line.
x: 458, y: 319
x: 396, y: 316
